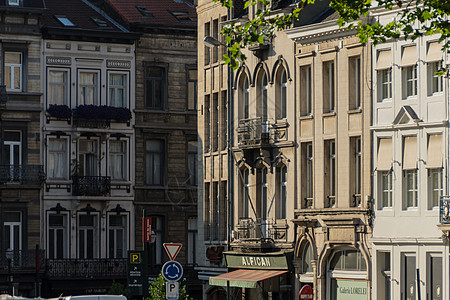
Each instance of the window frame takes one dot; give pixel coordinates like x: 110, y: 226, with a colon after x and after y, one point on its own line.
x: 282, y: 85
x: 95, y: 87
x: 410, y: 81
x: 434, y: 203
x: 413, y: 190
x: 126, y: 235
x: 65, y: 229
x: 164, y: 85
x: 126, y: 88
x: 388, y: 190
x: 65, y: 139
x: 435, y: 83
x: 162, y: 153
x: 192, y: 158
x: 95, y: 237
x: 194, y: 82
x: 83, y: 169
x: 385, y: 86
x: 12, y: 73
x: 355, y: 86
x: 306, y: 90
x: 329, y: 76
x: 283, y: 192
x: 20, y: 224
x: 65, y: 85
x: 126, y: 161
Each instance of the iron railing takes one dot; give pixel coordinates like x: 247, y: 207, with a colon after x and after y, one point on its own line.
x: 23, y: 174
x: 444, y: 210
x: 91, y: 185
x: 87, y: 268
x: 93, y: 123
x: 249, y: 229
x: 21, y: 259
x: 253, y: 132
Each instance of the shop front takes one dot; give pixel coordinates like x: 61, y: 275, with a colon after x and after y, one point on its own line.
x: 257, y: 275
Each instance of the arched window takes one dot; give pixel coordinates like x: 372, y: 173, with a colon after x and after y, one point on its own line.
x: 264, y: 87
x: 307, y: 258
x: 348, y: 260
x: 245, y: 195
x: 282, y: 182
x: 245, y: 96
x: 283, y: 95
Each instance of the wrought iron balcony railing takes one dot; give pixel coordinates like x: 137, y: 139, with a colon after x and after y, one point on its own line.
x: 91, y: 185
x: 253, y: 132
x: 249, y: 229
x: 444, y: 210
x: 23, y: 174
x: 87, y: 268
x: 21, y: 259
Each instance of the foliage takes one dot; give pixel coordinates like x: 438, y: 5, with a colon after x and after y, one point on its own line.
x: 103, y: 112
x: 157, y: 290
x: 59, y: 111
x: 415, y: 18
x: 118, y: 289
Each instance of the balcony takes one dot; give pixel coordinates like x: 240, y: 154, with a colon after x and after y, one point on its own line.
x: 22, y: 174
x: 249, y: 230
x: 91, y: 185
x: 253, y: 133
x: 444, y: 210
x: 20, y: 260
x: 107, y: 268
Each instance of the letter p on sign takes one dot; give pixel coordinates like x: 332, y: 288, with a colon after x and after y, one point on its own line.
x: 172, y: 290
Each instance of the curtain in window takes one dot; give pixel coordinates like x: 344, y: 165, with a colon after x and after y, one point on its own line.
x: 117, y: 160
x: 57, y: 165
x: 117, y: 90
x: 57, y: 87
x: 88, y: 88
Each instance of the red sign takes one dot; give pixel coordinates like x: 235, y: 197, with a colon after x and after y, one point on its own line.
x: 306, y: 293
x: 172, y: 249
x: 146, y: 229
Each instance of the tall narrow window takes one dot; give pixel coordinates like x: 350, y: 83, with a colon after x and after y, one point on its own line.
x: 384, y: 169
x: 245, y: 194
x: 58, y: 159
x: 282, y: 95
x: 384, y: 74
x: 328, y: 83
x: 117, y: 236
x: 283, y: 193
x: 207, y: 212
x: 216, y: 36
x: 206, y: 48
x: 410, y: 81
x: 215, y: 122
x: 435, y: 82
x: 246, y: 100
x: 434, y: 276
x: 354, y: 82
x: 157, y: 246
x: 12, y: 226
x: 13, y: 71
x: 192, y: 162
x: 89, y: 92
x: 88, y: 236
x: 12, y: 153
x: 264, y: 100
x: 434, y: 166
x: 410, y: 172
x: 57, y: 236
x: 207, y: 124
x: 155, y: 87
x: 386, y: 83
x: 408, y: 276
x: 330, y: 172
x: 264, y: 188
x: 88, y: 158
x: 224, y: 121
x: 355, y: 164
x: 223, y: 207
x: 118, y: 90
x: 192, y: 240
x: 58, y: 87
x: 215, y: 211
x: 191, y: 89
x: 307, y: 175
x: 305, y: 91
x: 155, y: 160
x: 118, y: 160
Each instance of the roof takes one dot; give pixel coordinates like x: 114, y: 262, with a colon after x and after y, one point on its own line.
x: 79, y: 13
x: 157, y: 12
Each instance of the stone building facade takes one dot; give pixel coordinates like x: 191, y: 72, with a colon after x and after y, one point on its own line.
x: 21, y: 170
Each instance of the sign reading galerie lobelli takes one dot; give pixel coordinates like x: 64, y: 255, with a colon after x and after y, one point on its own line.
x: 278, y: 261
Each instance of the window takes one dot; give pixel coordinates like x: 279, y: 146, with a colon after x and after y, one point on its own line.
x: 13, y: 71
x: 155, y: 161
x: 244, y: 106
x: 223, y: 207
x: 155, y: 87
x: 118, y: 94
x: 410, y: 81
x: 263, y: 192
x: 117, y: 236
x: 144, y: 12
x: 383, y: 276
x: 13, y: 2
x: 89, y: 88
x: 434, y: 276
x: 408, y: 276
x: 57, y: 236
x: 435, y: 186
x: 63, y: 20
x: 215, y: 212
x: 206, y: 48
x: 58, y: 87
x: 281, y: 94
x: 191, y: 89
x: 215, y: 50
x: 354, y: 82
x: 192, y: 162
x: 330, y: 172
x: 88, y: 157
x: 348, y: 260
x: 118, y: 160
x: 305, y: 91
x: 12, y: 225
x: 410, y: 171
x: 435, y: 82
x: 434, y: 167
x: 384, y: 168
x: 224, y: 121
x: 88, y: 236
x: 215, y: 122
x: 355, y: 164
x: 385, y: 79
x: 207, y: 218
x: 307, y: 259
x: 207, y: 123
x: 385, y: 182
x: 307, y: 175
x: 282, y: 182
x: 328, y: 83
x: 245, y: 194
x: 157, y: 247
x: 192, y: 240
x: 264, y: 87
x: 58, y: 159
x: 12, y: 153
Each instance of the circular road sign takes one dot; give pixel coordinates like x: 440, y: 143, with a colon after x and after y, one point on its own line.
x: 172, y: 270
x: 305, y: 293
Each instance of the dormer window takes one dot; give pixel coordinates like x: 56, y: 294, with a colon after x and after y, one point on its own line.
x: 144, y: 11
x: 183, y: 16
x: 99, y: 22
x: 64, y: 21
x: 13, y: 2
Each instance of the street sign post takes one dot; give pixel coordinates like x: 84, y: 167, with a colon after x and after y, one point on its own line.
x: 136, y: 273
x: 172, y: 249
x: 172, y: 271
x: 146, y: 229
x: 172, y: 290
x: 306, y: 293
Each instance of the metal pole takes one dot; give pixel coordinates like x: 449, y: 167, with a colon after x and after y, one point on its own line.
x: 9, y: 276
x: 145, y: 286
x: 228, y: 290
x: 37, y: 257
x: 418, y: 284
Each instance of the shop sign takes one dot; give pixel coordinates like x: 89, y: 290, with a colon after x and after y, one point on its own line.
x: 350, y: 289
x: 267, y: 262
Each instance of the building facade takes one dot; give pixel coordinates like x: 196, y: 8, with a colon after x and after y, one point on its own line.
x: 333, y: 216
x: 21, y: 171
x: 410, y: 146
x: 88, y: 142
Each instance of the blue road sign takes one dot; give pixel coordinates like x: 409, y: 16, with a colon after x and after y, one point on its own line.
x: 172, y: 271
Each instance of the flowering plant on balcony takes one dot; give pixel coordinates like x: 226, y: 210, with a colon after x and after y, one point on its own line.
x: 59, y: 111
x: 103, y: 112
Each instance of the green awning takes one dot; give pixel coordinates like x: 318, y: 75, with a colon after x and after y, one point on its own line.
x: 244, y: 278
